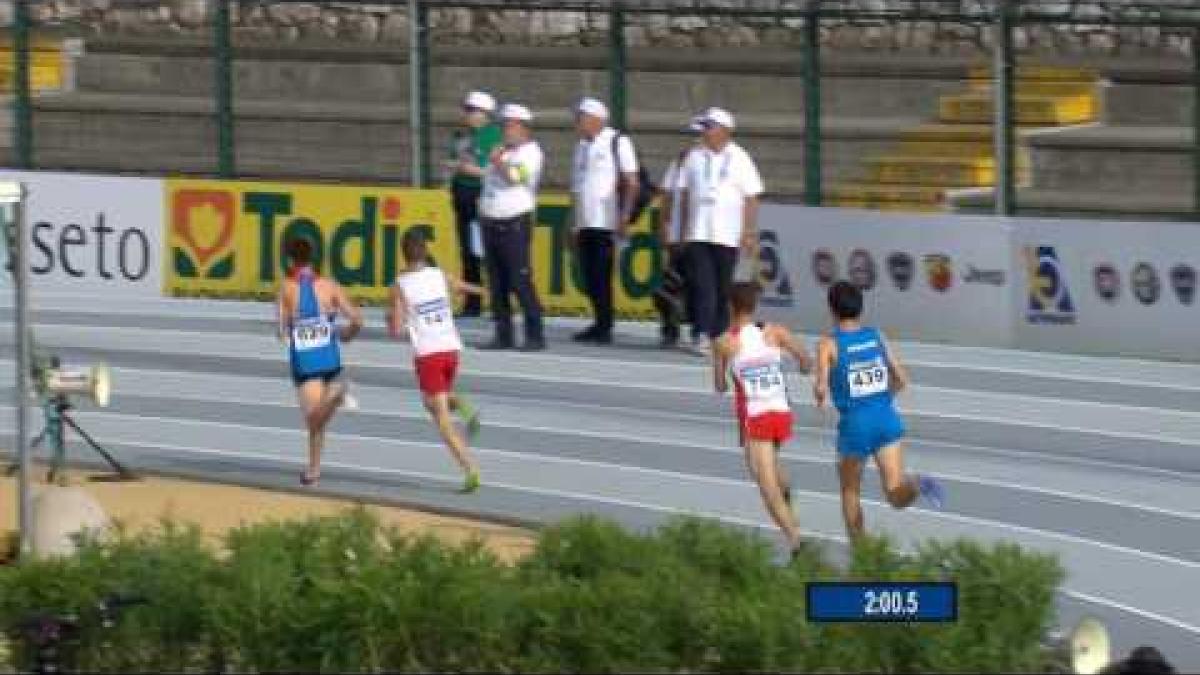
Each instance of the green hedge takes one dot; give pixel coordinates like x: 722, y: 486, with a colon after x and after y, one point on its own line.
x: 345, y: 594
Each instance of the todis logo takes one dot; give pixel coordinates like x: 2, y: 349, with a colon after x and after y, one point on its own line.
x: 203, y: 224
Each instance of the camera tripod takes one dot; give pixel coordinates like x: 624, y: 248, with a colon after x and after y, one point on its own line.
x: 56, y: 410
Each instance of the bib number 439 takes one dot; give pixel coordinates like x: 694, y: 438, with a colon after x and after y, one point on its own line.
x: 868, y: 379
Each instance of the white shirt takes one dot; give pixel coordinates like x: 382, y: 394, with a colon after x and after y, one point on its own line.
x: 672, y: 185
x: 718, y: 184
x: 510, y: 185
x: 430, y: 317
x: 758, y: 371
x: 594, y: 179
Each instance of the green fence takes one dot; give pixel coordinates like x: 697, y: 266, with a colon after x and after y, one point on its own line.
x: 804, y: 39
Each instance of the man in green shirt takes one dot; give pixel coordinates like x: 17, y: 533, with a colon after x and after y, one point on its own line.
x: 472, y: 146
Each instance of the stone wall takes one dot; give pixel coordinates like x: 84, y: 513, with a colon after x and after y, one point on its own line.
x: 1081, y: 31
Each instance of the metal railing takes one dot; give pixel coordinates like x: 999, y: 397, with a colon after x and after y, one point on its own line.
x: 1001, y: 18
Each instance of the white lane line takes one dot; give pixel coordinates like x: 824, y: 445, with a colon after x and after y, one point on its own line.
x: 821, y: 433
x: 402, y: 365
x: 616, y: 436
x: 914, y: 361
x: 1145, y: 614
x: 581, y: 497
x: 665, y: 473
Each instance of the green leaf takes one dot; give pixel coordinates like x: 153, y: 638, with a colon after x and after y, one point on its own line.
x: 223, y: 269
x: 184, y: 266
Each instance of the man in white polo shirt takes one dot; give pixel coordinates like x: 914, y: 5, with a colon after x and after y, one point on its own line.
x: 720, y: 189
x: 604, y: 183
x: 506, y: 211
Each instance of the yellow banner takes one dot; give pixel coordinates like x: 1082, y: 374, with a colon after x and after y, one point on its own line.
x: 224, y: 240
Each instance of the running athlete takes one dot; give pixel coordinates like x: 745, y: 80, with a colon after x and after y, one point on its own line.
x: 421, y: 303
x: 308, y: 307
x: 861, y: 372
x: 754, y: 354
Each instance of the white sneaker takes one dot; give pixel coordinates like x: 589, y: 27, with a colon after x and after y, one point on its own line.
x: 700, y: 346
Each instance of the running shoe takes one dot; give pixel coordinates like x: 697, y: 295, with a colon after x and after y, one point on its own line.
x: 349, y: 403
x: 932, y: 491
x: 469, y: 415
x: 471, y: 484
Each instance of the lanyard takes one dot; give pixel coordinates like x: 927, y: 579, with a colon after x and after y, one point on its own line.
x: 724, y: 173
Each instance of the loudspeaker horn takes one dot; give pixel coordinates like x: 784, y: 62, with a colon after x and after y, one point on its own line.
x: 1091, y: 649
x: 94, y: 383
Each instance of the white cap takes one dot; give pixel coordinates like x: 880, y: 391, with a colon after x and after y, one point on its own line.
x: 480, y: 100
x: 593, y: 107
x: 516, y: 111
x: 719, y: 117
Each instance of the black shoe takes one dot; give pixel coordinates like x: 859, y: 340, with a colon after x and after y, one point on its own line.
x: 605, y: 338
x: 588, y: 335
x: 668, y: 342
x: 534, y: 346
x: 497, y: 345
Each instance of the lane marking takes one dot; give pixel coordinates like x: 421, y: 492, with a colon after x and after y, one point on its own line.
x: 726, y: 482
x: 617, y: 436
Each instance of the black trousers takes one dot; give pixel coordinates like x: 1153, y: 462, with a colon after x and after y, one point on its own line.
x: 710, y: 270
x: 506, y: 244
x: 466, y: 210
x: 596, y: 260
x: 669, y: 312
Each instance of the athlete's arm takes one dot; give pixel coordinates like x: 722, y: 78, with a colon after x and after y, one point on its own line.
x: 284, y: 312
x: 721, y: 365
x: 461, y: 287
x: 788, y: 342
x: 826, y: 355
x: 397, y: 312
x: 350, y: 310
x: 899, y: 374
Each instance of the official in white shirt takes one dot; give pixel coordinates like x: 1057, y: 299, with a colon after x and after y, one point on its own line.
x: 721, y: 186
x: 506, y: 211
x: 670, y: 299
x: 604, y: 184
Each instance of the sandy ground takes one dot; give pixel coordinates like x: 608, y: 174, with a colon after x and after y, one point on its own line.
x: 218, y: 508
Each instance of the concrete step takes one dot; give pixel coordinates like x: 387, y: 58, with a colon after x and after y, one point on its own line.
x: 926, y: 170
x: 978, y: 107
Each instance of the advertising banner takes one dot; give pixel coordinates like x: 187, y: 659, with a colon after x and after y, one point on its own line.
x: 1109, y: 287
x: 926, y: 277
x: 225, y: 241
x: 93, y: 234
x: 225, y: 238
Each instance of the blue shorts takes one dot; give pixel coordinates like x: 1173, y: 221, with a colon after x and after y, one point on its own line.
x: 862, y: 434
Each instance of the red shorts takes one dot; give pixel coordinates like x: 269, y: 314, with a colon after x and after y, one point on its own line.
x: 772, y: 426
x: 436, y: 372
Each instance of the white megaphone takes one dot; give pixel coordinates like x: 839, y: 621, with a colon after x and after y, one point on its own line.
x: 1090, y: 647
x: 94, y: 383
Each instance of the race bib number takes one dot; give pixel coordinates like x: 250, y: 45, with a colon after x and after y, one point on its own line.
x: 313, y: 335
x: 868, y: 379
x: 435, y: 315
x: 762, y: 381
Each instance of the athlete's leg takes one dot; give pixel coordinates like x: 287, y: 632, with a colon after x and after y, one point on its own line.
x: 438, y: 406
x: 333, y: 395
x: 760, y: 458
x: 311, y: 394
x: 785, y: 480
x: 850, y: 476
x: 901, y: 490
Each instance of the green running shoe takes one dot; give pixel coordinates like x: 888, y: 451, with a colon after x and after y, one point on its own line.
x: 471, y: 484
x: 469, y: 414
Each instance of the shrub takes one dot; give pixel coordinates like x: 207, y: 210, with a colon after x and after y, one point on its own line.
x: 345, y: 594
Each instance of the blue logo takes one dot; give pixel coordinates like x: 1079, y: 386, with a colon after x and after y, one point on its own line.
x: 1049, y: 298
x: 773, y: 274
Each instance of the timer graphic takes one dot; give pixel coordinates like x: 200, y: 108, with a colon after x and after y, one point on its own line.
x: 882, y: 602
